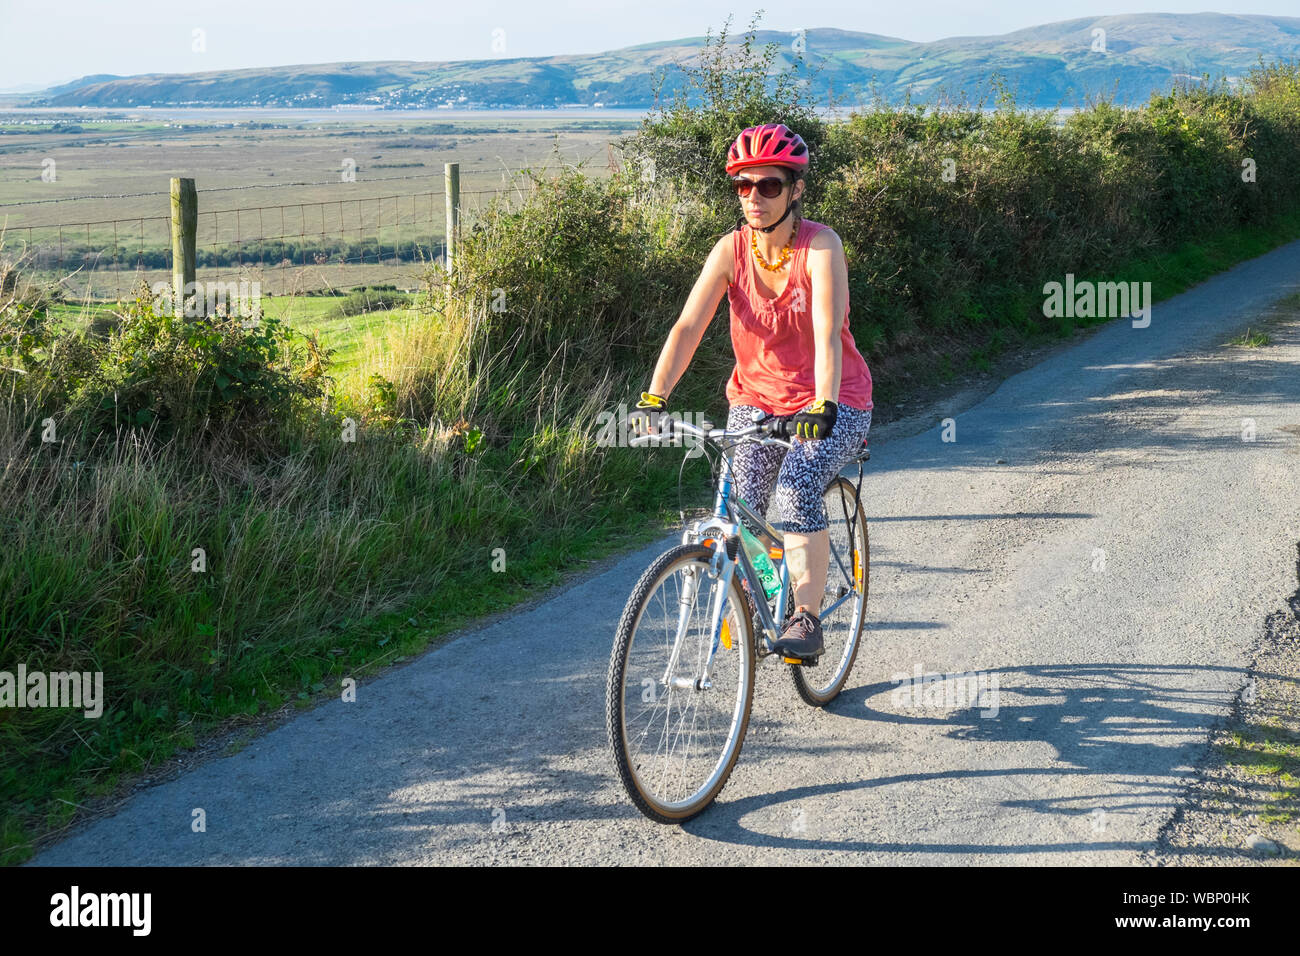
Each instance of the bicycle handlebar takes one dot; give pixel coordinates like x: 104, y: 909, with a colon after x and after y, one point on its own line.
x: 776, y: 430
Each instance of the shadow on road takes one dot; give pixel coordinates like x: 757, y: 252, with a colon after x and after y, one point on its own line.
x: 1108, y: 721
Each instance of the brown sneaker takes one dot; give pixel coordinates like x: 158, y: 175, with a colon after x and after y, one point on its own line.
x: 801, y: 637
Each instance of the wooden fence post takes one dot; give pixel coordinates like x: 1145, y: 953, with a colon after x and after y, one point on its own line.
x: 451, y: 173
x: 185, y: 219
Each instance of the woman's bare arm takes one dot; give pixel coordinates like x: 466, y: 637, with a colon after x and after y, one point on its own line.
x: 830, y: 298
x: 701, y: 304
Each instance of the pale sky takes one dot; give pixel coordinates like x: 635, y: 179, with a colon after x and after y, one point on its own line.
x: 52, y: 42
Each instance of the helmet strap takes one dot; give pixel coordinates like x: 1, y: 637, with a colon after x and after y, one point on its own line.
x: 788, y: 207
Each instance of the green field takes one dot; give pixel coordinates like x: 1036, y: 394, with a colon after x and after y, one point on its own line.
x: 346, y: 335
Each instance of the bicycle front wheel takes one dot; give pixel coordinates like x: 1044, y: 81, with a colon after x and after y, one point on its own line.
x: 675, y: 736
x: 844, y: 603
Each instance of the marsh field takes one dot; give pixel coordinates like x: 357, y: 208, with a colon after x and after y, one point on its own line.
x: 299, y: 204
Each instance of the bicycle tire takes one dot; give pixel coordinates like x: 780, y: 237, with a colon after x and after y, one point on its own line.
x: 839, y: 494
x: 634, y: 767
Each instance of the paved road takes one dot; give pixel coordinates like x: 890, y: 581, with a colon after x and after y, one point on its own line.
x: 1111, y: 668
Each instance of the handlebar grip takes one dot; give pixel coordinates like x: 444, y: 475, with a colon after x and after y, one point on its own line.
x: 777, y: 427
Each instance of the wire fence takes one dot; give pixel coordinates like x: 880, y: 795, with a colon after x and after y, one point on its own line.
x: 316, y: 245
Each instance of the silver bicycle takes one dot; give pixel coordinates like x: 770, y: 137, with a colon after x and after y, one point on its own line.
x: 681, y: 673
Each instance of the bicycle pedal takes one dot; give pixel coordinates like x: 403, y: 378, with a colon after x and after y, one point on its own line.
x: 810, y: 662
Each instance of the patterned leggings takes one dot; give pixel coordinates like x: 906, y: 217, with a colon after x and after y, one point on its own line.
x: 800, y: 474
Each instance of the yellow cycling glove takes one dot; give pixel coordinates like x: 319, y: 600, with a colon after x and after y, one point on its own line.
x: 646, y: 415
x: 816, y: 421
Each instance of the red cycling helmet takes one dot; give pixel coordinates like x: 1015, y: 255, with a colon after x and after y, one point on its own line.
x: 772, y: 144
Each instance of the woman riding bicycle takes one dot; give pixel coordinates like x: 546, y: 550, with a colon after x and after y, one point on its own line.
x: 787, y: 284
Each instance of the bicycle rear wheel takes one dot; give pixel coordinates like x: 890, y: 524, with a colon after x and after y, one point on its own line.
x: 844, y: 604
x: 675, y: 742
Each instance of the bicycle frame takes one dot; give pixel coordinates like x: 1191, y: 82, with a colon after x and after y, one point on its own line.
x: 722, y: 527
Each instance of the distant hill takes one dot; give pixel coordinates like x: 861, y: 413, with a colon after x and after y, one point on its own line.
x: 78, y: 84
x: 1045, y: 66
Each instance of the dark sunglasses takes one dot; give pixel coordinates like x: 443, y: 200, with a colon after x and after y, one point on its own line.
x: 769, y: 187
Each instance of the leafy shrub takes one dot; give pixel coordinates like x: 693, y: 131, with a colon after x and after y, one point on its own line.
x: 172, y: 374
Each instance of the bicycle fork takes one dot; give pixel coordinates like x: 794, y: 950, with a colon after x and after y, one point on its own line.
x: 721, y: 567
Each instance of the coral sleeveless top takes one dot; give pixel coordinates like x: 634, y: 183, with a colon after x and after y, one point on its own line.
x: 773, y: 338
